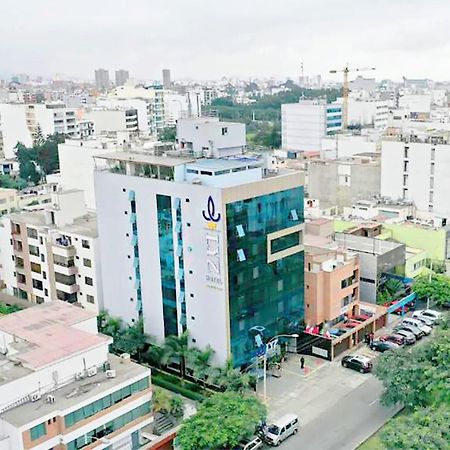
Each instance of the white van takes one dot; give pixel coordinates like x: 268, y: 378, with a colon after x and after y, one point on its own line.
x: 281, y: 429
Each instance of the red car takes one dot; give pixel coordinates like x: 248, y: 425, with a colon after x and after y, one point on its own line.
x: 396, y: 338
x: 351, y: 324
x: 360, y: 317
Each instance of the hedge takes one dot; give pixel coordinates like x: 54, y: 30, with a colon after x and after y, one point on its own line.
x: 162, y: 381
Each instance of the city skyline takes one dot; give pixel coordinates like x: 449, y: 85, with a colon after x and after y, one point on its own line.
x: 404, y: 39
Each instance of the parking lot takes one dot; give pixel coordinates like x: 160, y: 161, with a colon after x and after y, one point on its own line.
x: 338, y: 408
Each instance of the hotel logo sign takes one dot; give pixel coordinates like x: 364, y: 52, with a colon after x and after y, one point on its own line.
x: 213, y: 263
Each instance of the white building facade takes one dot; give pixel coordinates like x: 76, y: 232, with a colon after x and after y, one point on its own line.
x: 418, y: 172
x: 305, y: 124
x: 61, y: 389
x: 190, y: 244
x: 53, y: 254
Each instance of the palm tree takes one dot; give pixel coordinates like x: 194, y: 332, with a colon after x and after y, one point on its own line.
x: 177, y: 347
x: 199, y: 362
x: 133, y: 340
x: 230, y: 378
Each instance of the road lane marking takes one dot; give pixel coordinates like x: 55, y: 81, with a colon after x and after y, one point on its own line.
x: 372, y: 403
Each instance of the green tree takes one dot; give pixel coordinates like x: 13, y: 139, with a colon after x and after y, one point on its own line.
x: 230, y: 379
x: 199, y: 362
x: 221, y: 422
x: 161, y: 400
x: 426, y: 428
x: 28, y: 169
x: 168, y: 134
x: 437, y: 290
x: 133, y: 340
x: 176, y: 347
x: 7, y: 181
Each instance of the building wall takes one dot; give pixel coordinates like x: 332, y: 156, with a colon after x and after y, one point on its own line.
x: 13, y: 127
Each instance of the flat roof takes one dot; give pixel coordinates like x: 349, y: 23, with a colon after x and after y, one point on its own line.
x: 75, y: 393
x: 45, y: 334
x: 224, y: 163
x: 169, y: 161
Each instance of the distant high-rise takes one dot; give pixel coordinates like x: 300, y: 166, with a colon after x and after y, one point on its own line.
x: 102, y: 79
x: 121, y: 77
x: 166, y: 78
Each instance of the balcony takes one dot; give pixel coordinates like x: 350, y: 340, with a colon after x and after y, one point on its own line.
x: 67, y: 289
x: 65, y: 269
x: 63, y: 247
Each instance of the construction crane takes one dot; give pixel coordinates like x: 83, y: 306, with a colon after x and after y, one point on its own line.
x: 346, y: 90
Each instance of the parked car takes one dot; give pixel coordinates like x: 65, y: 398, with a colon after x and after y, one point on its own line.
x: 419, y: 334
x: 409, y: 337
x: 281, y: 429
x: 425, y: 320
x: 254, y: 444
x: 382, y: 346
x: 337, y: 331
x: 446, y: 305
x: 351, y: 323
x: 429, y: 313
x: 357, y: 362
x: 420, y: 325
x: 360, y: 317
x: 395, y: 338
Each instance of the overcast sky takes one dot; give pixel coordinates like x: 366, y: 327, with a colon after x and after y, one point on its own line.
x: 207, y: 39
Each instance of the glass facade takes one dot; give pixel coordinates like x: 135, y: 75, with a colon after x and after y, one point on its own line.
x: 268, y: 296
x: 167, y: 263
x: 105, y: 402
x: 110, y: 427
x: 38, y: 431
x: 135, y: 243
x: 182, y: 288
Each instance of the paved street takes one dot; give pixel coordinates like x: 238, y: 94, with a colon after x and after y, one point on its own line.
x: 338, y: 408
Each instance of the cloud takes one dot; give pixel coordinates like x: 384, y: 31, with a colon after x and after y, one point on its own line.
x: 208, y: 39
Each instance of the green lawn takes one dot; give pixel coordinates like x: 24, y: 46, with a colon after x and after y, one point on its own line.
x: 372, y: 443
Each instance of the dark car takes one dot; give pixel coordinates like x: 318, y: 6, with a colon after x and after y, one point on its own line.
x: 382, y: 346
x: 395, y: 338
x: 337, y: 331
x: 356, y: 362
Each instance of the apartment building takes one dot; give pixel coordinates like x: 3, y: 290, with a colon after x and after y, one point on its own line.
x: 9, y: 201
x: 102, y: 82
x: 375, y: 257
x: 212, y: 246
x: 208, y: 136
x: 306, y: 123
x: 369, y: 112
x: 53, y: 253
x: 107, y: 120
x: 415, y: 169
x: 20, y: 122
x: 61, y: 389
x: 121, y: 77
x: 331, y: 284
x: 342, y: 182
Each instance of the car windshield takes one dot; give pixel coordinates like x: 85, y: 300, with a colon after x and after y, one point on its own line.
x: 273, y: 429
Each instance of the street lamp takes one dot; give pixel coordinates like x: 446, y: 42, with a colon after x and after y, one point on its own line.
x: 294, y: 335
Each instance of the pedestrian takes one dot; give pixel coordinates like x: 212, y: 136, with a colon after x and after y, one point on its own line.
x: 371, y: 336
x: 302, y: 363
x: 366, y: 338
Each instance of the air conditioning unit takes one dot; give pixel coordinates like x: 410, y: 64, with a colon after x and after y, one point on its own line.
x: 79, y: 376
x: 92, y: 371
x: 35, y: 397
x: 50, y: 399
x: 111, y: 373
x: 124, y: 357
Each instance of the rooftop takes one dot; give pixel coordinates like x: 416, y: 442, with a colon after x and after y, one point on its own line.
x: 224, y: 164
x: 75, y: 393
x: 147, y: 158
x: 44, y: 335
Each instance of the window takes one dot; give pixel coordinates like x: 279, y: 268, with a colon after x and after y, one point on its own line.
x: 405, y: 166
x: 241, y: 255
x: 405, y: 180
x: 85, y: 243
x: 33, y: 250
x: 255, y: 272
x: 38, y: 431
x: 240, y: 230
x: 433, y: 154
x: 37, y: 284
x: 35, y: 267
x: 44, y: 275
x: 87, y: 262
x: 32, y: 233
x: 406, y: 152
x: 293, y: 214
x: 90, y: 298
x: 285, y: 242
x: 367, y: 280
x: 88, y: 281
x: 224, y: 131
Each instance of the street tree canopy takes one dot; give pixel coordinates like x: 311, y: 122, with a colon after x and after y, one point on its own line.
x: 438, y: 290
x: 426, y: 428
x: 221, y: 422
